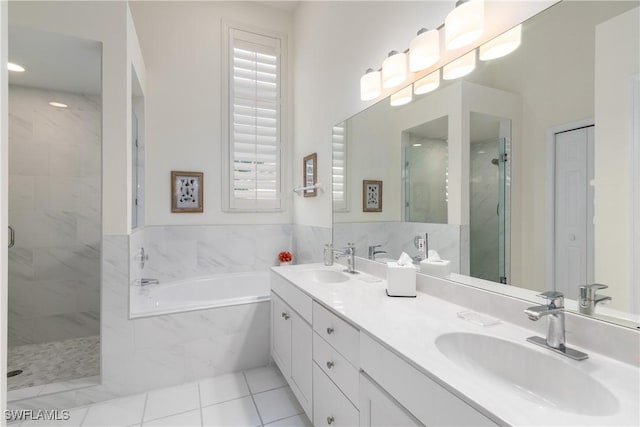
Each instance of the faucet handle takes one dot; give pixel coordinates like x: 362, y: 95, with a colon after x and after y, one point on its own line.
x: 594, y: 286
x: 552, y: 297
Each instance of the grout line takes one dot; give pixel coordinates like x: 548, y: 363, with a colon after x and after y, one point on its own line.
x: 84, y: 417
x: 271, y: 389
x: 144, y: 408
x: 253, y: 399
x: 200, y: 404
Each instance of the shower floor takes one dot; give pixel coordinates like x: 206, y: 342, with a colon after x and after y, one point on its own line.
x: 53, y: 362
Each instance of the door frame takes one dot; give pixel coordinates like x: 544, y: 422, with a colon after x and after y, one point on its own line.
x: 550, y: 195
x: 635, y: 192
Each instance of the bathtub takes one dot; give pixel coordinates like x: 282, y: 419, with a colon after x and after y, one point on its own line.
x: 200, y: 293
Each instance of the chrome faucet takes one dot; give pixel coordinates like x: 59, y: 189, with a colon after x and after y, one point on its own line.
x: 554, y: 312
x: 147, y: 282
x: 373, y: 252
x: 350, y: 253
x: 588, y: 299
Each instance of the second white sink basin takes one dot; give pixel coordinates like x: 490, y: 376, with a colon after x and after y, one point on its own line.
x: 541, y: 378
x: 327, y: 276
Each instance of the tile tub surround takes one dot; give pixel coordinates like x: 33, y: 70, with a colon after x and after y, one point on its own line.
x: 143, y: 354
x: 55, y: 208
x: 181, y: 252
x: 309, y: 241
x: 256, y: 397
x: 396, y: 237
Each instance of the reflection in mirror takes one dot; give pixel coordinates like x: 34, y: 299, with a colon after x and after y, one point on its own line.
x: 488, y: 208
x: 574, y: 68
x: 426, y: 169
x: 339, y: 167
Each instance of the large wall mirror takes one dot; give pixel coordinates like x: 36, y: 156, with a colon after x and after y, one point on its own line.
x: 520, y: 173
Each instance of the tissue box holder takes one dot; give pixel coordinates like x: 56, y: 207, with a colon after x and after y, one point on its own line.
x: 401, y: 280
x: 440, y: 268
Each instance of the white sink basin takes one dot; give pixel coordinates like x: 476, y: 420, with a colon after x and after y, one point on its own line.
x: 542, y: 378
x: 327, y: 276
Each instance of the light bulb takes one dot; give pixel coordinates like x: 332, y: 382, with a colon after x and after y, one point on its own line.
x: 401, y: 97
x: 424, y: 50
x: 427, y: 84
x: 502, y: 45
x: 460, y: 67
x: 464, y: 24
x: 394, y: 69
x: 370, y: 85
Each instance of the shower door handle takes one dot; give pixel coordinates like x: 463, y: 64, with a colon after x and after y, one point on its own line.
x: 12, y: 236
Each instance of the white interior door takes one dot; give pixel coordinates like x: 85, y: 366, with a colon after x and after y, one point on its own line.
x: 573, y: 210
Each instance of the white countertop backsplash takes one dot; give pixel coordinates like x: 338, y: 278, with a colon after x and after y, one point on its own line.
x: 409, y: 326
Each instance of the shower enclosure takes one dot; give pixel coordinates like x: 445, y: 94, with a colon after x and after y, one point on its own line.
x: 55, y: 211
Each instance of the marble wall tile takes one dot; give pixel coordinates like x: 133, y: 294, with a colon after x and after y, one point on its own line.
x: 308, y: 243
x: 396, y: 237
x: 55, y: 208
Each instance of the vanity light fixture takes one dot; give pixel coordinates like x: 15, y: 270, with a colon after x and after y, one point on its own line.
x: 502, y: 45
x: 58, y: 104
x: 424, y: 50
x: 427, y: 84
x: 460, y: 67
x: 370, y: 85
x: 401, y: 97
x: 464, y: 24
x: 15, y: 67
x: 394, y: 69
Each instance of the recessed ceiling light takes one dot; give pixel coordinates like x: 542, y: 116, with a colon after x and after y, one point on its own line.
x: 58, y: 104
x: 15, y: 67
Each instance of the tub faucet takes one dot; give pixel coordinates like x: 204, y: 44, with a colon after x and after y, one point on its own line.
x: 147, y: 282
x: 350, y: 253
x: 588, y: 299
x: 554, y: 312
x: 373, y: 252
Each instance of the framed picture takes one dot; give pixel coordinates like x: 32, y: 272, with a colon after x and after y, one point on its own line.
x: 371, y: 196
x: 186, y: 192
x: 310, y: 174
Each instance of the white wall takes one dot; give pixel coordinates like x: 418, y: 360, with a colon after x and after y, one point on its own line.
x: 335, y: 42
x: 616, y: 63
x: 181, y: 42
x: 4, y: 214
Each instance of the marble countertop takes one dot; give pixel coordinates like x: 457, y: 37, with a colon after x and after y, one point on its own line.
x: 410, y: 326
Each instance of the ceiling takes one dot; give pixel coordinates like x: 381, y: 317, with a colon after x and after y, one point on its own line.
x: 55, y: 61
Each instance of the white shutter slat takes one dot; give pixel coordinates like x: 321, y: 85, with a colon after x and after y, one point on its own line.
x: 255, y: 119
x: 339, y: 159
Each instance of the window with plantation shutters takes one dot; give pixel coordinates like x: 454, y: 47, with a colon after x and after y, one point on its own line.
x: 339, y: 146
x: 254, y: 122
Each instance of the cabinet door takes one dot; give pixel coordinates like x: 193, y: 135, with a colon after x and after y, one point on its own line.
x: 378, y: 409
x: 301, y: 363
x: 281, y: 334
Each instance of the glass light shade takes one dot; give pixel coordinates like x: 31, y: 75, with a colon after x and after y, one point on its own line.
x: 460, y: 67
x: 401, y: 97
x: 502, y: 45
x: 427, y: 83
x: 464, y: 24
x: 424, y: 50
x: 370, y: 85
x: 394, y: 70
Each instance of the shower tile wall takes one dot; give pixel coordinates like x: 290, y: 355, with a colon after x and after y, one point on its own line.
x: 54, y: 206
x: 396, y: 237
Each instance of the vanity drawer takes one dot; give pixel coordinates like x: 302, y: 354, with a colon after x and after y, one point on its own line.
x: 330, y: 406
x: 427, y: 400
x: 337, y: 368
x: 293, y: 296
x: 341, y: 335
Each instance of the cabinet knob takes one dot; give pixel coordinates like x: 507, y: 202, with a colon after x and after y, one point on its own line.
x: 330, y: 420
x: 285, y: 316
x: 329, y: 365
x: 329, y: 331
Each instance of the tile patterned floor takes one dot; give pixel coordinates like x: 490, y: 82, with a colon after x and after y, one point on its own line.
x: 256, y: 397
x: 53, y: 362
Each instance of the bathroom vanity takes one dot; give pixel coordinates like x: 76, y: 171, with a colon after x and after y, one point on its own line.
x: 354, y: 356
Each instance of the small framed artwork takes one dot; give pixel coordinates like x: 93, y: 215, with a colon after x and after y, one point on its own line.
x: 310, y: 174
x: 371, y: 196
x: 186, y: 192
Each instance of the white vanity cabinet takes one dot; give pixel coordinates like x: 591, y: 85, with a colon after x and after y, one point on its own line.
x: 292, y: 339
x: 379, y: 409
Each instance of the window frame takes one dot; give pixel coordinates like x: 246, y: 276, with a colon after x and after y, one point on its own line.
x: 230, y: 203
